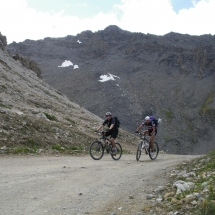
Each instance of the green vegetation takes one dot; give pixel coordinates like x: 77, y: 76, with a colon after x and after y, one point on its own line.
x: 5, y: 106
x: 205, y: 107
x: 3, y: 87
x: 70, y: 149
x: 168, y: 114
x: 125, y: 151
x: 24, y: 150
x: 51, y: 117
x: 207, y: 208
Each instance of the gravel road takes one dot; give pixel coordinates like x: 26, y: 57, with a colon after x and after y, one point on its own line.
x: 69, y: 185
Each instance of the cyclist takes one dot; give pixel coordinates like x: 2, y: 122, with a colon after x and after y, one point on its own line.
x: 151, y: 130
x: 112, y: 131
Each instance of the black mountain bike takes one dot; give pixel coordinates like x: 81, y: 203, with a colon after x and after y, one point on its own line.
x: 98, y: 147
x: 144, y: 145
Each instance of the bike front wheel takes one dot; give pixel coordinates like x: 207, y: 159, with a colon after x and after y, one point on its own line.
x: 96, y: 150
x: 153, y: 154
x: 139, y: 150
x: 118, y: 154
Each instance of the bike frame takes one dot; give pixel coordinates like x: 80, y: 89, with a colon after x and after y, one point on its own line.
x: 143, y: 137
x: 104, y: 138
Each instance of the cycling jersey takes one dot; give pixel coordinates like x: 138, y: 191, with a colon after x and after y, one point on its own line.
x: 109, y: 123
x: 149, y: 126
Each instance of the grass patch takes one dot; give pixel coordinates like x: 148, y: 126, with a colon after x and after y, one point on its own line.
x: 205, y: 107
x: 51, y: 117
x: 207, y: 208
x: 3, y: 87
x: 24, y: 150
x: 5, y: 106
x: 125, y: 151
x: 168, y: 114
x: 63, y: 148
x: 58, y: 147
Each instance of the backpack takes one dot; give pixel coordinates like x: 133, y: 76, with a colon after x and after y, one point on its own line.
x: 154, y: 120
x: 117, y: 122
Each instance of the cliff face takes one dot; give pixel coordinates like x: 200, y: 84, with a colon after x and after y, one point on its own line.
x: 3, y: 42
x: 171, y: 77
x: 28, y: 63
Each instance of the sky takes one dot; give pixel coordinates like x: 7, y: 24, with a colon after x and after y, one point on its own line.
x: 37, y: 19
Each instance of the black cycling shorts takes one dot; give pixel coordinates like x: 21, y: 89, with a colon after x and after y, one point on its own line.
x: 112, y: 133
x: 150, y: 132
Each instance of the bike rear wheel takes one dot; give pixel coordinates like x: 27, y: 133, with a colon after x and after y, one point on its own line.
x: 153, y: 154
x: 96, y: 150
x: 139, y: 150
x: 118, y: 155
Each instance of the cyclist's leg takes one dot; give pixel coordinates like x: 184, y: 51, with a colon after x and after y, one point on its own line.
x: 151, y: 139
x: 113, y: 136
x: 113, y: 142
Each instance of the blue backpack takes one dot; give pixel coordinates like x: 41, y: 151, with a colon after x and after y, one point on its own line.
x: 154, y: 120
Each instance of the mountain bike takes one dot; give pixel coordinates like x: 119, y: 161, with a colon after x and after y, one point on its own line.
x: 144, y: 145
x: 98, y: 147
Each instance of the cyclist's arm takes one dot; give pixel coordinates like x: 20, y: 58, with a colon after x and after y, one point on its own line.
x: 139, y: 127
x: 113, y: 123
x: 101, y: 126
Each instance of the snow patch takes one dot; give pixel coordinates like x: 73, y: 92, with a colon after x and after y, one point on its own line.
x: 66, y: 63
x: 108, y: 77
x: 76, y: 67
x: 79, y: 42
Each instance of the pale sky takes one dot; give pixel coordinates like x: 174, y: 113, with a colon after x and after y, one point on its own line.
x: 37, y: 19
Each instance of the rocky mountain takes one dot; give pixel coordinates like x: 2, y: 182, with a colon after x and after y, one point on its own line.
x: 133, y: 75
x: 36, y: 118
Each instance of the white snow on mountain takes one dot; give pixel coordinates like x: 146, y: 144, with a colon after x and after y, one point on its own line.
x: 108, y: 77
x: 79, y: 42
x: 76, y: 67
x: 66, y: 63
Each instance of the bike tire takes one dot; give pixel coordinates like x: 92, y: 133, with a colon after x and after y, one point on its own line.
x: 139, y: 150
x: 154, y: 155
x: 119, y: 152
x: 96, y: 150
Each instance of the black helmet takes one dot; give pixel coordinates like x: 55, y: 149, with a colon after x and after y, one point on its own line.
x: 108, y: 114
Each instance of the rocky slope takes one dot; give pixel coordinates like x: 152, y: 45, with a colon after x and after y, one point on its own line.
x: 190, y: 189
x: 34, y: 117
x: 171, y: 77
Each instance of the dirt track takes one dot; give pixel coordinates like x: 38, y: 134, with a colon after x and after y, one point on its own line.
x: 79, y: 185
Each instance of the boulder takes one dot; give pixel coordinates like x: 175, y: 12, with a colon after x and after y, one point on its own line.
x: 183, y: 186
x: 188, y: 199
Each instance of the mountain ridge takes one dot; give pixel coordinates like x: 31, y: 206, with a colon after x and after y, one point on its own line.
x: 170, y: 76
x: 35, y: 118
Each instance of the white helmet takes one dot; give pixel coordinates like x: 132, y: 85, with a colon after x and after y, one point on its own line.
x: 147, y: 118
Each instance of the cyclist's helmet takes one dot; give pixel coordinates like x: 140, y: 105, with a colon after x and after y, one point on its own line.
x: 147, y: 118
x: 108, y: 114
